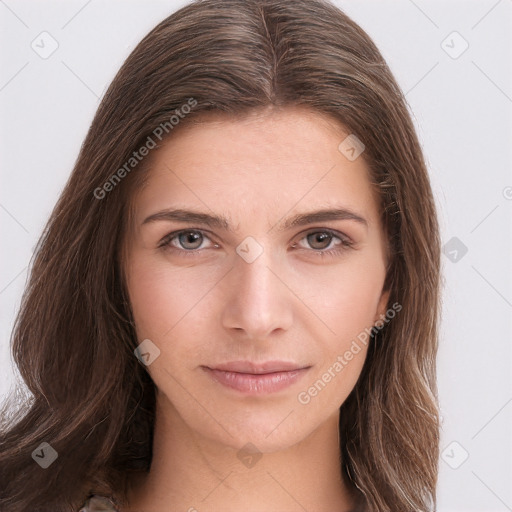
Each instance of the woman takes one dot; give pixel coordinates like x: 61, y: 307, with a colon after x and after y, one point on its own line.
x: 235, y: 301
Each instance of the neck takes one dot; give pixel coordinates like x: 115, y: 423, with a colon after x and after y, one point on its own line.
x: 193, y: 473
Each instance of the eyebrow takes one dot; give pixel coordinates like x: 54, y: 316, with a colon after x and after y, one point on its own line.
x: 221, y: 222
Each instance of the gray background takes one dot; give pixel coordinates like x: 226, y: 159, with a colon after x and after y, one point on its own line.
x: 462, y: 106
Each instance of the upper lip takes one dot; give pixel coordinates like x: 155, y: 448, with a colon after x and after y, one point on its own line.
x: 258, y: 368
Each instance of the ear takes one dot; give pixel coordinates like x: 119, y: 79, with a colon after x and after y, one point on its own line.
x: 383, y: 305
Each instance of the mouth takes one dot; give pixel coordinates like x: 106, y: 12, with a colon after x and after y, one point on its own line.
x: 254, y: 379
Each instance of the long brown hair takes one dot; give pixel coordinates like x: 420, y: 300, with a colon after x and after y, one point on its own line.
x: 90, y: 398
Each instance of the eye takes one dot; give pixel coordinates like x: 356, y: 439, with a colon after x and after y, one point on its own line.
x: 320, y: 240
x: 186, y: 241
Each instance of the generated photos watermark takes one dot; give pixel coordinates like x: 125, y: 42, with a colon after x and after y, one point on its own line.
x: 305, y: 396
x: 151, y: 142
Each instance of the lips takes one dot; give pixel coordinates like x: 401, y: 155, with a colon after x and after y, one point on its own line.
x: 258, y: 368
x: 257, y: 378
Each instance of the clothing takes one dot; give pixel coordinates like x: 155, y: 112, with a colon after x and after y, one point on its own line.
x: 98, y: 503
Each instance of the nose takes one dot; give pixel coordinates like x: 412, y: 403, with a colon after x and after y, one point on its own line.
x: 258, y: 300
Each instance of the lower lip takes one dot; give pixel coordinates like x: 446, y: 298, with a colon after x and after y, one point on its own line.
x: 257, y: 384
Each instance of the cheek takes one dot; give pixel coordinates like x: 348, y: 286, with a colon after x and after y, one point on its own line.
x: 345, y: 297
x: 162, y: 297
x: 347, y: 304
x: 152, y: 305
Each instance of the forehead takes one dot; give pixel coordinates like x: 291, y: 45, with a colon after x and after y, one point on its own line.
x: 261, y: 165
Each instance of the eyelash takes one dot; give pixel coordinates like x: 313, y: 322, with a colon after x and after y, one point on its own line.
x: 345, y: 244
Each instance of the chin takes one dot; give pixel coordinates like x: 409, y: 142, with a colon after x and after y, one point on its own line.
x: 267, y: 434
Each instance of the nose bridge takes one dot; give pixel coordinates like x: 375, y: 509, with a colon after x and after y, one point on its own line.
x: 257, y: 281
x: 258, y: 301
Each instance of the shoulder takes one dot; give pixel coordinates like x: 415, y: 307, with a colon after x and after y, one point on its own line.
x: 98, y: 503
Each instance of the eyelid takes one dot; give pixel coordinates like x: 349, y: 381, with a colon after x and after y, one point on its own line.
x: 338, y: 234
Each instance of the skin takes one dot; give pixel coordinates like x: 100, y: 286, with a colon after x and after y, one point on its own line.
x: 291, y: 303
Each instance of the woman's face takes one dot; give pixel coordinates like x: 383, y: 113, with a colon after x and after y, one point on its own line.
x: 252, y: 282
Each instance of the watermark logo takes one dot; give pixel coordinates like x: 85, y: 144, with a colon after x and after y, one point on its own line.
x: 455, y: 455
x: 454, y: 45
x: 44, y: 455
x: 249, y: 249
x: 351, y: 147
x: 45, y: 45
x: 455, y: 249
x: 249, y: 455
x: 147, y: 352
